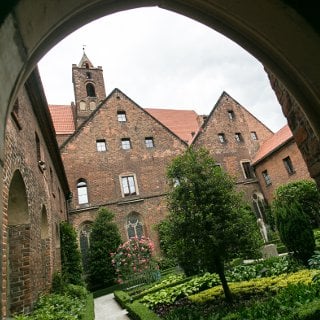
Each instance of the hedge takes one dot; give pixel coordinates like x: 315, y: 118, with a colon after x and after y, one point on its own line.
x: 138, y: 311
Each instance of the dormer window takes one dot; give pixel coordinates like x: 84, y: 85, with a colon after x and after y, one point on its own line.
x: 121, y: 115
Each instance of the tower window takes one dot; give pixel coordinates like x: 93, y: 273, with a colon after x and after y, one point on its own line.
x: 38, y: 148
x: 82, y: 191
x: 266, y: 177
x: 87, y: 65
x: 88, y: 75
x: 288, y: 165
x: 101, y: 145
x: 231, y: 114
x: 238, y: 137
x: 90, y: 90
x: 121, y: 115
x: 253, y: 135
x: 222, y: 137
x: 149, y: 142
x: 125, y: 144
x: 247, y: 170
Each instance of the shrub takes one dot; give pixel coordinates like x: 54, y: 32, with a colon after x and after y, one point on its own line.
x: 305, y: 193
x: 122, y: 297
x: 133, y: 258
x: 71, y: 265
x: 104, y: 239
x: 138, y: 311
x: 295, y: 231
x: 314, y: 261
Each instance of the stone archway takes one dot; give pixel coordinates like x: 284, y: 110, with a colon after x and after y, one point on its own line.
x: 18, y: 250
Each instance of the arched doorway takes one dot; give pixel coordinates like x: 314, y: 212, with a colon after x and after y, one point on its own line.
x: 19, y: 251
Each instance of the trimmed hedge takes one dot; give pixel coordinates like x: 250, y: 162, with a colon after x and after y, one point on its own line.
x: 255, y: 286
x: 122, y: 298
x: 138, y: 311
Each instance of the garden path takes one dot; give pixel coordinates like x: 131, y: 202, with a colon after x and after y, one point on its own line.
x: 107, y: 308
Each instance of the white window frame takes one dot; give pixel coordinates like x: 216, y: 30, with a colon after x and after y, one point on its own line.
x: 82, y: 190
x: 266, y: 177
x: 222, y: 137
x: 231, y: 114
x: 126, y: 144
x: 149, y: 142
x: 238, y: 137
x: 129, y: 185
x: 122, y: 116
x: 253, y: 135
x: 101, y: 145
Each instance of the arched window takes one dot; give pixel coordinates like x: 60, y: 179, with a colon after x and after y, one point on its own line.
x: 84, y: 237
x: 134, y: 225
x: 90, y: 90
x: 82, y: 191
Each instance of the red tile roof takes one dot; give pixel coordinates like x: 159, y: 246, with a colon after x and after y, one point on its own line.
x: 180, y: 122
x: 270, y: 145
x: 62, y: 118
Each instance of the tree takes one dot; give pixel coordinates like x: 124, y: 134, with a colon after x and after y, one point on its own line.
x: 210, y: 222
x: 71, y: 266
x: 295, y: 230
x: 104, y: 239
x: 305, y: 193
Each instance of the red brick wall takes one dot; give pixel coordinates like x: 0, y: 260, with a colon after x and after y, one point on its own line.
x: 277, y: 171
x: 33, y: 264
x: 231, y: 153
x: 101, y: 170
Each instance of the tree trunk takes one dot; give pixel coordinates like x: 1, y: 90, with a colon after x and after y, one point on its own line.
x: 225, y: 286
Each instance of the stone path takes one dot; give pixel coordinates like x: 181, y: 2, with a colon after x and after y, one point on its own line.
x: 107, y: 308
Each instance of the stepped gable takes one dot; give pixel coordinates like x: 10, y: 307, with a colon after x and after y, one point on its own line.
x: 274, y: 143
x: 184, y: 123
x: 62, y: 118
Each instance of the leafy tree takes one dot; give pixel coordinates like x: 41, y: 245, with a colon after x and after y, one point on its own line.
x: 305, y: 193
x: 209, y: 221
x: 104, y: 239
x: 295, y: 230
x: 71, y: 266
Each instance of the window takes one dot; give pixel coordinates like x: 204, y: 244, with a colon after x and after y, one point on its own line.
x: 288, y: 165
x: 247, y: 170
x: 101, y: 145
x: 231, y: 114
x: 266, y: 177
x: 38, y: 148
x: 82, y: 191
x: 82, y: 105
x: 253, y: 135
x: 90, y: 90
x: 149, y: 142
x: 122, y: 116
x: 238, y: 137
x: 134, y: 225
x: 88, y: 74
x: 125, y: 144
x: 128, y: 185
x: 222, y: 137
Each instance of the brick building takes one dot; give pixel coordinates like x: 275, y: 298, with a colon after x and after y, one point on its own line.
x: 34, y: 193
x: 115, y: 152
x: 279, y: 161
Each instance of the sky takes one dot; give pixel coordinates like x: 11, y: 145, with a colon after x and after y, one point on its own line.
x: 162, y: 60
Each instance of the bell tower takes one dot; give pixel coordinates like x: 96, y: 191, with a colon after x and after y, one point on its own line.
x: 88, y: 85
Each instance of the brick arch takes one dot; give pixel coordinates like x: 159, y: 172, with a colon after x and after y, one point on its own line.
x: 45, y: 248
x: 18, y: 288
x: 84, y: 231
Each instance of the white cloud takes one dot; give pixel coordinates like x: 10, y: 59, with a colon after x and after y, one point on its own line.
x: 161, y: 59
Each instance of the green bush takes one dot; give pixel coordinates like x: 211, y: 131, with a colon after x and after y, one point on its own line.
x: 138, y: 311
x: 295, y: 231
x: 104, y: 239
x: 122, y: 298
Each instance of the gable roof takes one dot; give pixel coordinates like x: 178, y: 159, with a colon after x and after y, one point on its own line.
x: 92, y: 115
x: 273, y: 144
x: 85, y: 60
x: 62, y: 117
x: 181, y: 122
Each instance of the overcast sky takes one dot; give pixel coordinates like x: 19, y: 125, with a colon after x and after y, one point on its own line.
x: 162, y: 60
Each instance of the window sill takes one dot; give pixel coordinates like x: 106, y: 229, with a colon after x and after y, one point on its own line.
x: 130, y: 200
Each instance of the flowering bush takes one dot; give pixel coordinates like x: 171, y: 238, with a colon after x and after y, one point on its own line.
x: 133, y: 257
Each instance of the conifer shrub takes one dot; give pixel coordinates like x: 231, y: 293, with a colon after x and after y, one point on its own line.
x: 71, y: 265
x: 104, y: 239
x: 295, y: 231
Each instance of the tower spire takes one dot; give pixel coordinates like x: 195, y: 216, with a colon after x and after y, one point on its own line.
x: 85, y: 61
